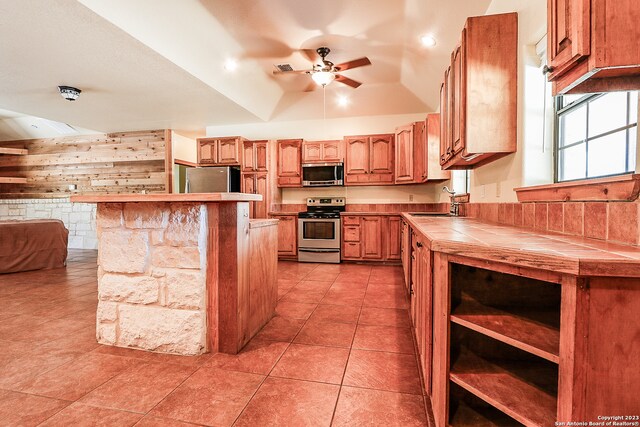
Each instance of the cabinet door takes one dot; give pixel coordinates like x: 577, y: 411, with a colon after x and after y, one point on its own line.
x: 406, y: 253
x: 249, y: 186
x: 248, y: 157
x: 445, y: 154
x: 426, y: 317
x: 457, y: 100
x: 381, y: 155
x: 371, y: 240
x: 289, y: 163
x: 351, y: 250
x: 260, y: 208
x: 568, y: 34
x: 404, y: 154
x: 287, y: 235
x: 393, y: 238
x: 228, y: 151
x: 311, y: 152
x: 356, y: 159
x: 332, y: 151
x: 261, y: 156
x: 207, y: 152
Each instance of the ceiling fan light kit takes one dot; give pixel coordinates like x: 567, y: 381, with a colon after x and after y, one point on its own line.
x: 69, y: 93
x: 323, y: 78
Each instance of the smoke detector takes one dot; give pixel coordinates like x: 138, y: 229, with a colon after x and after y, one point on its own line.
x: 69, y: 93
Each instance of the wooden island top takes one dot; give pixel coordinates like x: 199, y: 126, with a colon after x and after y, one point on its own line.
x: 525, y: 247
x: 165, y: 197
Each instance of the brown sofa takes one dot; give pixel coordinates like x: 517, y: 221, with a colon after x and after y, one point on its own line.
x: 32, y: 245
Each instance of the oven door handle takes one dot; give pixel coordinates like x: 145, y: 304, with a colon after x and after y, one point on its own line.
x: 318, y: 250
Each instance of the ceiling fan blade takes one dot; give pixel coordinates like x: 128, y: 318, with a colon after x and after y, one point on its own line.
x: 276, y: 72
x: 311, y: 55
x: 360, y: 62
x: 311, y: 87
x: 346, y: 80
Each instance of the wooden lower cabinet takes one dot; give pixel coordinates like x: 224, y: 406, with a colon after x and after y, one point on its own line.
x: 287, y: 235
x: 515, y: 345
x: 371, y: 237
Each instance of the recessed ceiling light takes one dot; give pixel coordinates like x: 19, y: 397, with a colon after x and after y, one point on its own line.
x: 427, y: 40
x: 230, y: 64
x: 343, y: 101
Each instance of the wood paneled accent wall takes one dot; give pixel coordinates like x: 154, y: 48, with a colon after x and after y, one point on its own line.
x: 122, y: 162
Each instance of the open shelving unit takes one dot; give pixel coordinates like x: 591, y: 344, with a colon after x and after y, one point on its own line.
x: 13, y: 152
x: 504, y: 349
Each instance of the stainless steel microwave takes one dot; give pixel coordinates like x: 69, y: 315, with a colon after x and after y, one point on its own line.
x: 322, y: 174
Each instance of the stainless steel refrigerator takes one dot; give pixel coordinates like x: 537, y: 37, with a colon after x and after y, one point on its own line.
x: 213, y: 180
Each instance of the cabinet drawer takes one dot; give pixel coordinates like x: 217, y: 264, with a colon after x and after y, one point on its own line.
x: 351, y: 250
x: 351, y: 233
x: 351, y: 220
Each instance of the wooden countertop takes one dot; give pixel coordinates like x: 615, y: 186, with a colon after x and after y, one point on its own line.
x: 370, y: 213
x: 262, y: 222
x: 165, y: 197
x: 525, y: 247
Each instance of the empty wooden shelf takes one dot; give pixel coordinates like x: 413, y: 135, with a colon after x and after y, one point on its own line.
x: 529, y: 331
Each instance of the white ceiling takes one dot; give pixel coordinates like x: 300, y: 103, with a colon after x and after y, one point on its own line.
x: 159, y: 63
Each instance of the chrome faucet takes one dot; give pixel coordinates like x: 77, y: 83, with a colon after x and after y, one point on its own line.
x: 454, y: 209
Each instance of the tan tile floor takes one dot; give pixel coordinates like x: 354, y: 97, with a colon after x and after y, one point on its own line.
x: 339, y: 352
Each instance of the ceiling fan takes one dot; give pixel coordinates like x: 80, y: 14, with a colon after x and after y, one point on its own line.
x: 324, y: 71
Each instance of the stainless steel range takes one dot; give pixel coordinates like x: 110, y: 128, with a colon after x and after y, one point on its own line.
x: 319, y: 230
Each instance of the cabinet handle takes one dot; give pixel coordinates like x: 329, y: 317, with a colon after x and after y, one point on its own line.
x: 418, y: 244
x: 546, y: 69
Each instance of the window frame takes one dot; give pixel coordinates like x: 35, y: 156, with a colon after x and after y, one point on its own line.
x: 585, y: 100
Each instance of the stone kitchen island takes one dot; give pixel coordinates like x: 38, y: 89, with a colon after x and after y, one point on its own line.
x: 183, y: 273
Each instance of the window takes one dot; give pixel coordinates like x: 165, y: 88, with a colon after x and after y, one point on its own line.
x: 596, y: 135
x: 460, y: 181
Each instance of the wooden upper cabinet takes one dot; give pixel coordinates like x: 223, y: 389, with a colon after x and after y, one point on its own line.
x: 332, y: 151
x: 381, y: 157
x: 404, y: 154
x: 457, y: 100
x: 479, y: 94
x: 290, y: 163
x: 568, y: 34
x: 369, y: 159
x: 356, y: 159
x: 322, y: 151
x: 445, y: 151
x: 207, y: 152
x: 254, y: 156
x: 592, y: 45
x: 219, y: 151
x: 417, y: 152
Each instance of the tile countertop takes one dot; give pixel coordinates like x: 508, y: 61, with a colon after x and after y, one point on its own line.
x: 469, y: 237
x: 166, y: 197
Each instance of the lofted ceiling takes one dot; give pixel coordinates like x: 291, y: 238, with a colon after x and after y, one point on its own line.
x: 151, y: 64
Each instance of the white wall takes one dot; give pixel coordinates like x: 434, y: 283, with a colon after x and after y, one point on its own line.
x: 78, y: 218
x: 337, y: 129
x: 184, y: 148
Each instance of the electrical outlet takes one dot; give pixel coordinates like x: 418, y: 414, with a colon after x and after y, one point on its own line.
x: 483, y: 192
x: 498, y: 189
x: 411, y: 197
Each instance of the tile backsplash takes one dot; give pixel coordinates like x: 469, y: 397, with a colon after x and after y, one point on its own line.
x: 610, y: 221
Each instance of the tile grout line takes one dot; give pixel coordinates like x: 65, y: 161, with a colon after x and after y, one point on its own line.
x: 346, y: 365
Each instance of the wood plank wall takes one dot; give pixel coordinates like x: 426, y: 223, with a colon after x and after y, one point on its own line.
x: 121, y: 162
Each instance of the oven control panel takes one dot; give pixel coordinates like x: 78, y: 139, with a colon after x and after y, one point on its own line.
x: 326, y: 201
